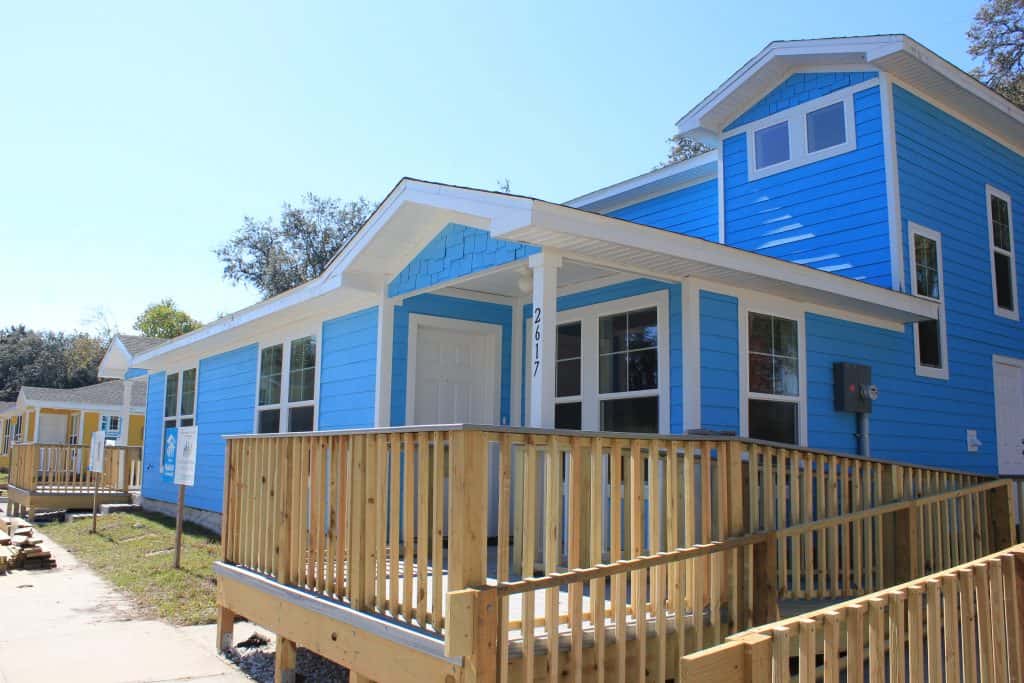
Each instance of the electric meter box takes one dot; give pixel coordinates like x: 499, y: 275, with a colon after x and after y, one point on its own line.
x: 854, y: 391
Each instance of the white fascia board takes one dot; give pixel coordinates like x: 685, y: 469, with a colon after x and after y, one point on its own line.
x: 657, y: 182
x: 87, y: 407
x: 576, y: 223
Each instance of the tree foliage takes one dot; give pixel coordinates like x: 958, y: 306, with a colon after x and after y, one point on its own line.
x: 47, y: 359
x: 683, y: 148
x: 165, y: 320
x: 274, y: 257
x: 997, y: 37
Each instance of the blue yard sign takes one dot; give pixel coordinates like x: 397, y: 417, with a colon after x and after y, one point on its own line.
x: 169, y: 453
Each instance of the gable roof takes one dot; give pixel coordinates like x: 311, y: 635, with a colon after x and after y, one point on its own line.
x: 137, y: 343
x: 898, y: 55
x: 121, y: 352
x: 416, y: 210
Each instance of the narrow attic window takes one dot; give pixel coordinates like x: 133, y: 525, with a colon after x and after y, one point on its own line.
x: 772, y: 145
x: 826, y: 127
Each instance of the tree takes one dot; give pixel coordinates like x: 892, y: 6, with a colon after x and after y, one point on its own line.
x: 274, y: 257
x: 47, y: 359
x: 683, y: 148
x: 997, y: 36
x: 165, y: 320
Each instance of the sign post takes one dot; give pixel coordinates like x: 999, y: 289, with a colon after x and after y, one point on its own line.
x: 184, y: 464
x: 97, y: 453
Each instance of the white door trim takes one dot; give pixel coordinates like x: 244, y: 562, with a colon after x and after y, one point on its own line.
x: 998, y: 360
x: 417, y: 320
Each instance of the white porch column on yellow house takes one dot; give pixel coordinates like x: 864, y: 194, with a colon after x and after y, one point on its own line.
x: 543, y: 336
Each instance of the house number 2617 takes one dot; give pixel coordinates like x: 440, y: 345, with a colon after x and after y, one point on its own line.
x: 536, y: 340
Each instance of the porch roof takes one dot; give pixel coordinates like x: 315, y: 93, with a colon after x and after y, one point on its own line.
x: 416, y: 210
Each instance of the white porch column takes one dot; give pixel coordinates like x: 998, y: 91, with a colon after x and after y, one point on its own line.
x: 385, y: 338
x: 543, y: 330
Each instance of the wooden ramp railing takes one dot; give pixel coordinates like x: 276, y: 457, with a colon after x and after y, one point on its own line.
x: 62, y: 468
x: 965, y: 623
x: 423, y: 525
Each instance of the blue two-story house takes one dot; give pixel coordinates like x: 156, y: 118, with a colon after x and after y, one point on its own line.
x: 859, y: 206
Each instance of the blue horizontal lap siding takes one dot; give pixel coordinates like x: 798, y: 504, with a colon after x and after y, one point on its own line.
x: 456, y: 251
x: 225, y: 404
x: 944, y: 166
x: 152, y: 483
x: 719, y: 361
x: 915, y: 419
x: 456, y: 309
x: 675, y: 326
x: 348, y: 371
x: 800, y: 88
x: 830, y: 214
x: 691, y: 211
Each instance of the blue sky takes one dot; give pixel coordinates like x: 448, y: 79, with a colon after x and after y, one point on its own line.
x: 135, y: 136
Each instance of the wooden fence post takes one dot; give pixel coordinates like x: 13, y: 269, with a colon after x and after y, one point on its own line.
x: 467, y: 511
x: 472, y: 631
x: 903, y: 545
x: 765, y: 586
x: 283, y: 494
x: 1002, y: 526
x: 892, y: 491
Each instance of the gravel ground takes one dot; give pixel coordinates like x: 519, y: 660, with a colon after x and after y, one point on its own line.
x: 255, y: 657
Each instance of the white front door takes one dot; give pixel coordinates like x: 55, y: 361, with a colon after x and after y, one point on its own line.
x: 53, y: 429
x: 454, y: 371
x: 454, y: 378
x: 1009, y: 384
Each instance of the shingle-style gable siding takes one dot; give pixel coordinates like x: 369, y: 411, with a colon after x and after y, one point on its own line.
x: 348, y: 371
x: 944, y: 165
x: 800, y: 88
x: 225, y: 404
x: 831, y: 214
x: 719, y: 361
x: 691, y: 211
x: 456, y: 251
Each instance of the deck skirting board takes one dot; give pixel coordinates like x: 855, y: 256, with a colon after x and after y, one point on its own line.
x: 354, y: 647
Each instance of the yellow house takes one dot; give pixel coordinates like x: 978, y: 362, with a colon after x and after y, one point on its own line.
x: 69, y: 416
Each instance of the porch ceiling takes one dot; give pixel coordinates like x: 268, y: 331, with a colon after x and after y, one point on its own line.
x: 504, y: 281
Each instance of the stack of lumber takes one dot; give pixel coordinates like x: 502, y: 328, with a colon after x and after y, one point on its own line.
x: 20, y: 548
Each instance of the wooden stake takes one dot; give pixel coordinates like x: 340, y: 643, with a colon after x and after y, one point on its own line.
x: 179, y: 522
x: 95, y: 499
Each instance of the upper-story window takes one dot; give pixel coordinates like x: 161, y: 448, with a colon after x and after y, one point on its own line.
x: 929, y: 335
x: 773, y: 403
x: 287, y: 387
x: 813, y: 131
x: 1004, y: 271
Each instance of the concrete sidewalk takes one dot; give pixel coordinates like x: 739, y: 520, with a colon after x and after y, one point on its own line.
x: 68, y: 624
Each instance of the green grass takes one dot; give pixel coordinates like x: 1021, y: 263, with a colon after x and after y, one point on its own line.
x: 135, y: 551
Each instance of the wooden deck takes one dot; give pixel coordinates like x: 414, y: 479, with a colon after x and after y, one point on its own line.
x: 331, y: 541
x: 56, y: 477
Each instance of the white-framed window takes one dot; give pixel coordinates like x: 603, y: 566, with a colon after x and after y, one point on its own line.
x: 111, y: 424
x: 179, y: 399
x: 930, y: 355
x: 18, y: 432
x: 1004, y: 266
x: 613, y: 366
x: 287, y: 386
x: 5, y: 444
x: 815, y: 130
x: 775, y: 395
